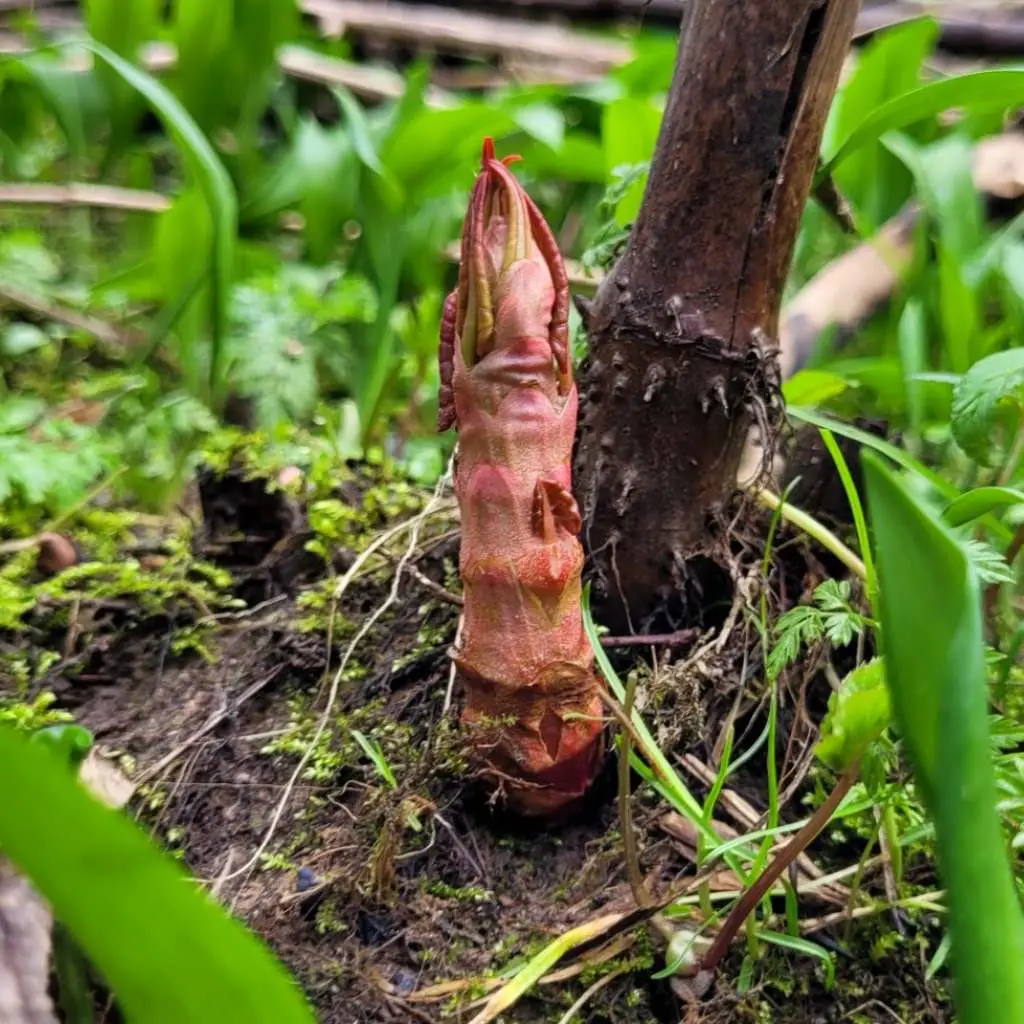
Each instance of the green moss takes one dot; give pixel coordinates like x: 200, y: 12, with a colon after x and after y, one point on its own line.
x: 32, y: 715
x: 327, y: 920
x: 337, y: 523
x: 430, y: 637
x: 465, y: 894
x: 337, y: 749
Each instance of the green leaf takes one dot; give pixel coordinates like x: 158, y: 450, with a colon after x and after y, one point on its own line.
x: 182, y: 242
x: 932, y: 641
x: 202, y: 33
x: 806, y: 947
x: 989, y: 564
x: 19, y: 339
x: 813, y: 387
x: 226, y: 59
x: 978, y: 502
x: 213, y: 180
x: 990, y: 395
x: 359, y: 131
x: 913, y: 346
x: 74, y: 97
x: 71, y: 743
x: 131, y: 909
x: 871, y: 179
x: 858, y: 712
x: 543, y: 122
x: 326, y: 171
x: 372, y: 749
x: 124, y: 28
x: 629, y: 133
x: 443, y: 145
x: 943, y: 173
x: 898, y: 455
x: 977, y: 90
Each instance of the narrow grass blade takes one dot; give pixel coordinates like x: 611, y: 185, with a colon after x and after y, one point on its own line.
x: 508, y: 995
x: 805, y: 947
x: 898, y: 455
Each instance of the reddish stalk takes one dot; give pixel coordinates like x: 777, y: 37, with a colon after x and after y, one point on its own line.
x: 750, y: 899
x: 532, y: 696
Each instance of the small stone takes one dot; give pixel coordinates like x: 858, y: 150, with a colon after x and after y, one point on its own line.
x: 404, y: 980
x: 56, y: 553
x: 305, y: 880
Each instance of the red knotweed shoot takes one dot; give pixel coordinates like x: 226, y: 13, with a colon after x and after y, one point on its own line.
x: 532, y: 698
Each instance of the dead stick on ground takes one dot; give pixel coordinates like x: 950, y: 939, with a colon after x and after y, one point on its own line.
x: 101, y: 330
x: 465, y: 31
x: 83, y: 194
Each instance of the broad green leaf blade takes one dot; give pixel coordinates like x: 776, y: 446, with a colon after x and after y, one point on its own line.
x: 124, y: 28
x: 943, y: 173
x: 170, y: 954
x: 629, y: 133
x: 858, y: 712
x: 979, y: 89
x: 992, y: 388
x: 979, y: 502
x: 813, y: 387
x: 930, y: 611
x: 202, y: 36
x: 871, y: 179
x: 182, y: 243
x: 212, y: 179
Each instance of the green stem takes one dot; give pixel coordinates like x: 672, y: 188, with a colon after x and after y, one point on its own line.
x: 824, y: 536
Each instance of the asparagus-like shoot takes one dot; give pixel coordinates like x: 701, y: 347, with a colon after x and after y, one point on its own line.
x: 532, y: 696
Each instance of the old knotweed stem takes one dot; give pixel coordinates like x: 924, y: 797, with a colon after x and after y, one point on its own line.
x: 506, y: 384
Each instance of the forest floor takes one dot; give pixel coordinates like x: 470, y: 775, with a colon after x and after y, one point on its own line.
x: 381, y: 874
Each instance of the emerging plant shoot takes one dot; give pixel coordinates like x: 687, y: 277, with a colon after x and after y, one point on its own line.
x: 506, y: 384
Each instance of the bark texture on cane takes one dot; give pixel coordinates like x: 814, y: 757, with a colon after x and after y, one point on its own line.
x: 682, y: 331
x: 506, y: 384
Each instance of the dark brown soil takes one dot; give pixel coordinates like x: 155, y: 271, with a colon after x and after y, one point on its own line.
x: 365, y: 907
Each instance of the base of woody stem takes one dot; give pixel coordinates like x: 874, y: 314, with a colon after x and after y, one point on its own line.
x: 526, y: 773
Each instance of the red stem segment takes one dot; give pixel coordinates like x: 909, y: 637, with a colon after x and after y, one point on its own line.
x: 532, y: 695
